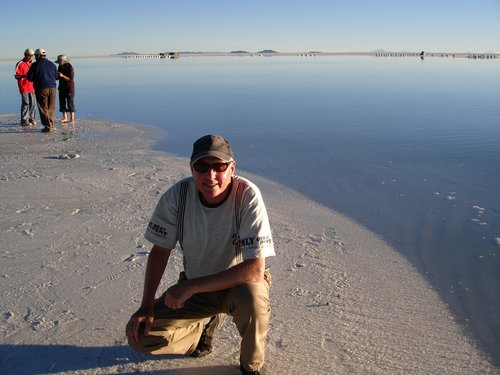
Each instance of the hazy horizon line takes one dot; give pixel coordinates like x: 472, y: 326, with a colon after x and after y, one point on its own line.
x: 394, y: 53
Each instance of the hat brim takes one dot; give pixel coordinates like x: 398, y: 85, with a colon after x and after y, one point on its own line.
x: 219, y: 155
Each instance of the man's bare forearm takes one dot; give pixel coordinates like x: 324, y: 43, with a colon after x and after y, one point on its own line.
x: 157, y: 262
x: 249, y: 272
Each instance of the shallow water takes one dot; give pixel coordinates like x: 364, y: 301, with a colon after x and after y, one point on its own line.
x: 407, y: 148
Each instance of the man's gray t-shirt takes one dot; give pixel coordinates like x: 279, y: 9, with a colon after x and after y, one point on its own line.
x: 212, y: 239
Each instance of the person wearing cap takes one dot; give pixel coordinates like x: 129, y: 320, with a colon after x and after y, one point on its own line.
x: 221, y: 225
x: 26, y: 89
x: 66, y: 76
x: 43, y: 74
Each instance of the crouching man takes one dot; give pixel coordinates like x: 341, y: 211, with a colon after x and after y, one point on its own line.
x: 220, y: 222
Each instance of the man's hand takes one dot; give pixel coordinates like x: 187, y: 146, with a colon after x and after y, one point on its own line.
x: 248, y: 272
x: 157, y: 261
x: 143, y: 315
x: 177, y: 295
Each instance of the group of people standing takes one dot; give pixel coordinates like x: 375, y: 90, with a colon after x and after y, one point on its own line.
x: 37, y: 86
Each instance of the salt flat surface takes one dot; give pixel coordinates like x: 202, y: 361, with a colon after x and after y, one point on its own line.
x: 72, y: 261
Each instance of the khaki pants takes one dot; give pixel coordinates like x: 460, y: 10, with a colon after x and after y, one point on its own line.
x: 46, y: 99
x: 178, y: 331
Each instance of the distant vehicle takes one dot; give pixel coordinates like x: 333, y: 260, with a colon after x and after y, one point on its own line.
x: 169, y: 55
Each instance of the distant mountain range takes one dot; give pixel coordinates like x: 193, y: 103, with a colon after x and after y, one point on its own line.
x: 266, y: 51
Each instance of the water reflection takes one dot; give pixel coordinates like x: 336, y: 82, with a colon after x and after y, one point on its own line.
x: 68, y: 132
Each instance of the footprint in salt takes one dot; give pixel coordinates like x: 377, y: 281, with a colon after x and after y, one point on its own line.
x: 134, y: 257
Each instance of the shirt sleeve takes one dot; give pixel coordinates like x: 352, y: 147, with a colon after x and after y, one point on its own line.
x: 255, y: 238
x: 18, y: 72
x: 162, y: 228
x: 31, y: 72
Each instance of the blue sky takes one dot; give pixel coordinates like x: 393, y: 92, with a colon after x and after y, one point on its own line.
x: 103, y: 27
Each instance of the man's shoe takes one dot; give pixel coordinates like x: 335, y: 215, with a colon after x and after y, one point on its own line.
x: 246, y: 372
x: 205, y: 345
x: 47, y: 130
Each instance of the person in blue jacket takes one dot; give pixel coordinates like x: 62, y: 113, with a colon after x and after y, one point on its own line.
x: 43, y: 73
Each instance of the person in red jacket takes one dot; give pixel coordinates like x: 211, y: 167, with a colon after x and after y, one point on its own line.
x: 26, y: 89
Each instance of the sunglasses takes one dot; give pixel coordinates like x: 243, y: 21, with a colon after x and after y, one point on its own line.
x: 201, y: 167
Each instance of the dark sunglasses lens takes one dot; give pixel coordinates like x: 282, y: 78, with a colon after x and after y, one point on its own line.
x: 204, y: 167
x: 220, y: 167
x: 201, y: 167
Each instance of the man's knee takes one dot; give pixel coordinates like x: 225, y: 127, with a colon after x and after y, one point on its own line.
x: 150, y: 345
x: 164, y: 339
x: 252, y: 300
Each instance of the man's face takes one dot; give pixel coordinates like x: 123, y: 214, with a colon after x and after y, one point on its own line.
x: 213, y: 185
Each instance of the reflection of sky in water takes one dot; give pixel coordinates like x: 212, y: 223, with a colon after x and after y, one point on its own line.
x: 408, y: 148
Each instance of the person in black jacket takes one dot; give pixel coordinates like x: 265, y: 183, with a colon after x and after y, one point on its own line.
x: 66, y: 89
